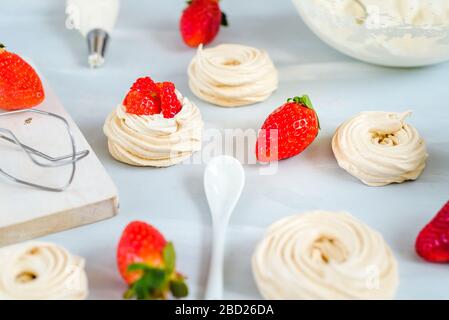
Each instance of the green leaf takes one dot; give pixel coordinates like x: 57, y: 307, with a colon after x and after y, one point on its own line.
x: 141, y: 289
x: 152, y: 281
x: 155, y: 278
x: 305, y: 99
x: 2, y: 46
x: 224, y: 20
x: 179, y: 289
x: 169, y: 256
x: 138, y: 267
x: 155, y: 283
x: 129, y: 294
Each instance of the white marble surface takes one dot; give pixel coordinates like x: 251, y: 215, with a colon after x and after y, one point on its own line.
x: 146, y: 41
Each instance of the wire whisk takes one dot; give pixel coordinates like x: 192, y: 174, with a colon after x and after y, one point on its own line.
x: 40, y: 158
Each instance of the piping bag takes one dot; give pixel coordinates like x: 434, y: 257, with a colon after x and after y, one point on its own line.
x: 94, y: 19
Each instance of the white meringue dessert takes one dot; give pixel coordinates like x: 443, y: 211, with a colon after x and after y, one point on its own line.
x: 324, y: 255
x: 380, y: 148
x: 232, y: 75
x: 41, y: 271
x: 152, y: 140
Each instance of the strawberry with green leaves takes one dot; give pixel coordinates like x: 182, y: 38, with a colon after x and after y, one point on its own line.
x: 147, y: 262
x: 201, y: 21
x: 20, y: 86
x: 288, y: 130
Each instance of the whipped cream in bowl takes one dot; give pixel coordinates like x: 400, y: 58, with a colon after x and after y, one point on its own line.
x: 232, y: 75
x: 41, y: 271
x: 324, y: 255
x: 152, y: 140
x: 380, y: 148
x: 397, y: 33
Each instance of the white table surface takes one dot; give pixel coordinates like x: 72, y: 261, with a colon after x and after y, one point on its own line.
x: 147, y: 42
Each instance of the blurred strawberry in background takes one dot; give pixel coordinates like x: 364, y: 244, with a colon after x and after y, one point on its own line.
x: 201, y: 21
x: 432, y: 243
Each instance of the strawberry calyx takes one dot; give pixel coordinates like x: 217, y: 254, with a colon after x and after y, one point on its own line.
x: 224, y: 19
x: 305, y: 101
x: 155, y: 282
x: 2, y: 48
x: 189, y: 2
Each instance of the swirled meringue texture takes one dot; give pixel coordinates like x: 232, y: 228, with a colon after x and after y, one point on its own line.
x: 41, y: 271
x: 379, y: 148
x: 324, y: 255
x: 154, y: 140
x: 232, y: 75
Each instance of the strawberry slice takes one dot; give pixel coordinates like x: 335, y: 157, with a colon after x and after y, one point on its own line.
x: 143, y: 98
x: 20, y: 86
x: 170, y: 103
x: 432, y: 243
x: 147, y: 262
x: 288, y: 131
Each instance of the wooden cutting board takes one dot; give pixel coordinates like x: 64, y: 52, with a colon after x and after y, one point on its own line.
x: 27, y: 213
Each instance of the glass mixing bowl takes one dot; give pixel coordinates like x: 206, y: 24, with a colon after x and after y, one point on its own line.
x: 395, y: 33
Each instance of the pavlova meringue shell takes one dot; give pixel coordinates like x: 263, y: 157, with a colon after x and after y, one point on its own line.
x: 41, y: 271
x: 154, y: 140
x: 379, y: 148
x: 324, y: 255
x: 232, y: 75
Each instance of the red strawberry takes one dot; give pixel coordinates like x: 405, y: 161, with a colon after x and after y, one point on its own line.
x: 432, y: 243
x: 20, y: 86
x: 200, y: 22
x: 147, y: 263
x: 288, y: 130
x: 143, y: 98
x: 170, y: 103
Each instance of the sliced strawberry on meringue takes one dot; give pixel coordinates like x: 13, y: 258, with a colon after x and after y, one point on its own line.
x: 170, y: 103
x: 143, y: 98
x: 154, y: 126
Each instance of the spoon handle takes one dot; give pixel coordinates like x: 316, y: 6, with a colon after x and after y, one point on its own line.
x: 214, y: 289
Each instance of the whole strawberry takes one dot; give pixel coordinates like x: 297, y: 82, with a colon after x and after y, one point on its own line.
x: 432, y: 243
x: 201, y: 21
x: 20, y: 86
x: 147, y: 262
x: 143, y: 98
x: 288, y: 130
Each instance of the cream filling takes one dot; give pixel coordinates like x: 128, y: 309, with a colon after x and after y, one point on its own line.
x: 41, y: 271
x: 379, y: 148
x: 232, y: 75
x: 324, y: 255
x: 154, y: 140
x: 399, y: 33
x: 392, y: 13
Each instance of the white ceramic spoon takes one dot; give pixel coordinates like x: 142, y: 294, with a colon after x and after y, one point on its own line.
x: 224, y: 179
